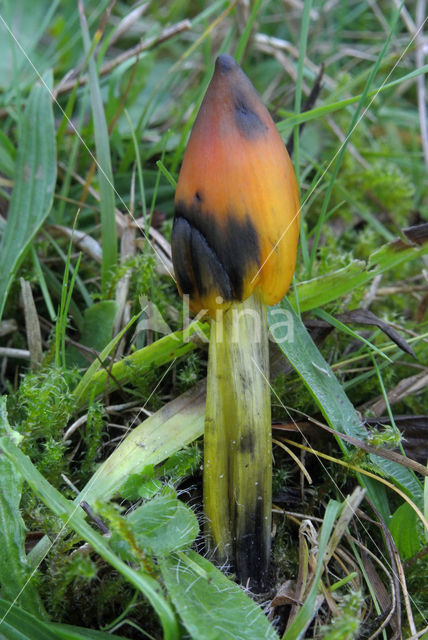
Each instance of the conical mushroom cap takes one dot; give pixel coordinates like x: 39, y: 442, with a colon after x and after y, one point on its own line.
x: 236, y: 220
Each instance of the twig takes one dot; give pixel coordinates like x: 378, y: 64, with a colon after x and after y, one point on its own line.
x: 360, y: 444
x: 7, y: 326
x: 169, y: 32
x: 402, y: 389
x: 128, y: 21
x: 9, y: 352
x: 32, y: 325
x: 83, y: 241
x: 96, y: 519
x: 419, y: 634
x: 73, y: 427
x: 277, y: 44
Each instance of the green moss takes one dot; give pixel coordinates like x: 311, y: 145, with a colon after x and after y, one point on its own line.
x: 40, y: 411
x: 189, y: 372
x: 347, y: 621
x: 92, y: 435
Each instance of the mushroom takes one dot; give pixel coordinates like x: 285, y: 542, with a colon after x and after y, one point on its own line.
x: 234, y: 245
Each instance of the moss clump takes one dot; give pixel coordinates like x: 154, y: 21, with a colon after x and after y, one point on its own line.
x: 347, y: 623
x: 40, y: 411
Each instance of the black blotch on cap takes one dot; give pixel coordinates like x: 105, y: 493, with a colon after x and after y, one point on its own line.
x: 210, y: 275
x: 197, y: 268
x: 181, y: 255
x: 234, y: 245
x: 247, y: 120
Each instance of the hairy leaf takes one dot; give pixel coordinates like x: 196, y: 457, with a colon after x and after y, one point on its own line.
x: 164, y: 525
x: 211, y: 606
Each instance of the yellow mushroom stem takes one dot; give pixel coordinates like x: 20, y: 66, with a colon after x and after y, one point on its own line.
x: 238, y: 441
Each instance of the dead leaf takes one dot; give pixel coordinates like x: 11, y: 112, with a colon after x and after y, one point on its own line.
x: 414, y: 235
x: 365, y: 317
x: 286, y: 594
x: 402, y: 390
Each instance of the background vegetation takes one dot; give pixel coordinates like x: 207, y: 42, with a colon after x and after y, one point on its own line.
x: 103, y: 393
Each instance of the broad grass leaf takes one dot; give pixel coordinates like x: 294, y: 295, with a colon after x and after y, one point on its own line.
x: 211, y: 606
x: 17, y: 624
x: 35, y: 178
x: 168, y: 430
x: 330, y: 286
x: 97, y: 380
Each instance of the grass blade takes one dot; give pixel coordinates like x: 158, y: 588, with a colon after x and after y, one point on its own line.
x: 243, y: 40
x: 35, y: 178
x: 14, y: 568
x: 96, y: 381
x: 17, y: 624
x: 105, y: 173
x: 61, y: 323
x: 330, y: 286
x: 297, y: 107
x: 85, y: 390
x: 354, y: 122
x: 305, y: 613
x: 312, y: 114
x: 334, y: 322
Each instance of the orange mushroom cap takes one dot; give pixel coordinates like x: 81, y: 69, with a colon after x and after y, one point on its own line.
x: 236, y: 221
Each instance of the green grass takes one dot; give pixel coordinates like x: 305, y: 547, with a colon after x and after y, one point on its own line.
x: 114, y: 414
